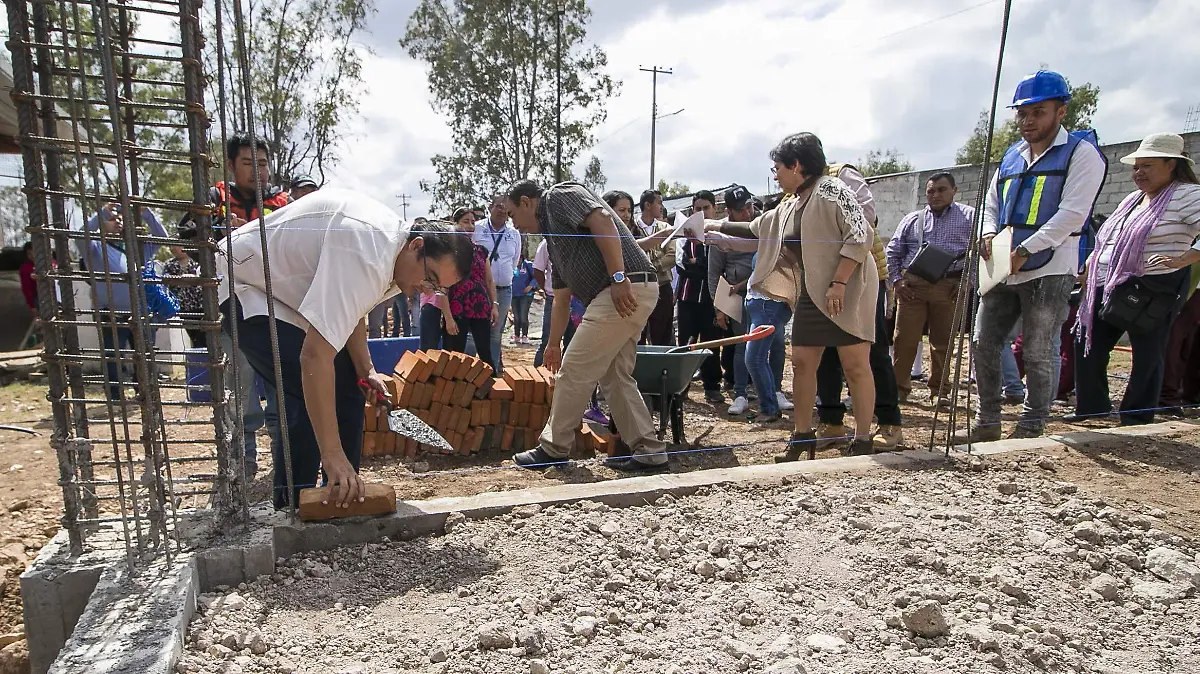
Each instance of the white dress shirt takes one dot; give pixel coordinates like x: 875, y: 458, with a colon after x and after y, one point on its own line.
x: 541, y: 262
x: 1085, y: 173
x: 332, y: 258
x: 506, y: 242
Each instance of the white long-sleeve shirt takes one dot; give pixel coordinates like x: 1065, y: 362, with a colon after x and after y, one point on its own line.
x: 1085, y: 173
x: 862, y: 193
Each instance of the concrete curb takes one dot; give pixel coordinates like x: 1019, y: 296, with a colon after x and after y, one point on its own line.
x: 136, y: 624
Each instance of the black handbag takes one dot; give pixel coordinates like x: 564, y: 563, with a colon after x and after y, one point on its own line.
x: 932, y: 263
x: 1139, y: 305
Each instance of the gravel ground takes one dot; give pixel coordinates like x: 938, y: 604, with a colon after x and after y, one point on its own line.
x: 992, y: 567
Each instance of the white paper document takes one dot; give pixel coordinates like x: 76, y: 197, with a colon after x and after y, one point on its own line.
x: 693, y: 225
x: 729, y: 304
x: 997, y: 268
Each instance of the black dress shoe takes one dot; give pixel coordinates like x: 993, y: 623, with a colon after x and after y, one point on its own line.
x: 1076, y: 417
x: 538, y: 459
x: 632, y: 465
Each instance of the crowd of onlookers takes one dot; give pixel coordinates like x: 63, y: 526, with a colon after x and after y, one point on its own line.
x: 861, y: 311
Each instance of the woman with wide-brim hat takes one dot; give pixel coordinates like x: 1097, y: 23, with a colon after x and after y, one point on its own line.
x: 1137, y: 279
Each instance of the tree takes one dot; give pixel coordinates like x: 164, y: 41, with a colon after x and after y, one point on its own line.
x: 594, y: 178
x: 305, y: 75
x: 14, y: 216
x: 672, y: 190
x: 883, y: 162
x: 1080, y: 109
x: 492, y: 71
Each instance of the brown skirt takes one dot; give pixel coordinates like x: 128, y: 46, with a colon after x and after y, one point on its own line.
x: 811, y: 327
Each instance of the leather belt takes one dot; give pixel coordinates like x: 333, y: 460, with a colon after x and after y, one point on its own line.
x: 642, y: 277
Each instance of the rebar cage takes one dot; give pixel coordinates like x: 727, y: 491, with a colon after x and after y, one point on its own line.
x: 102, y: 114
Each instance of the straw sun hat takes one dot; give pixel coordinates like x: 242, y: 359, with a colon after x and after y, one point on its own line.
x: 1161, y: 145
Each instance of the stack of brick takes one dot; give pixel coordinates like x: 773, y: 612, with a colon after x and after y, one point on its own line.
x: 458, y: 397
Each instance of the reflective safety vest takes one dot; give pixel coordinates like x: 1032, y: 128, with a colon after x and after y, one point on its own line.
x: 274, y: 198
x: 1030, y: 195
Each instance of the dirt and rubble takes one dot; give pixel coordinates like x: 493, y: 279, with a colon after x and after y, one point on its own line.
x: 1000, y: 565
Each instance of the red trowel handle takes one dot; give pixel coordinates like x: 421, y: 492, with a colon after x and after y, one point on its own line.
x: 754, y: 335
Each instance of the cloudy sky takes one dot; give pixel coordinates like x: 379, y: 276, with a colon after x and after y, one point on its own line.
x: 862, y: 74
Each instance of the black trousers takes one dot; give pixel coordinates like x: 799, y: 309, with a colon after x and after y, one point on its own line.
x: 1145, y: 377
x: 254, y: 341
x: 480, y: 329
x: 431, y: 327
x: 697, y: 323
x: 830, y: 408
x: 660, y: 327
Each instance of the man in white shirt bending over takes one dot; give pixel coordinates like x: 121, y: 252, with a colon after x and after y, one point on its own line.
x: 334, y: 256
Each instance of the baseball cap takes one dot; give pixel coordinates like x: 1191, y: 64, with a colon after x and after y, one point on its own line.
x: 736, y: 197
x: 303, y: 181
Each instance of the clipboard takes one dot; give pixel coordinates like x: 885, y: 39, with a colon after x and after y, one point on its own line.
x: 730, y: 305
x: 997, y: 268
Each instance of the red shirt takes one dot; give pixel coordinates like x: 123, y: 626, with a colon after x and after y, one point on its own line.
x: 469, y: 297
x: 28, y: 285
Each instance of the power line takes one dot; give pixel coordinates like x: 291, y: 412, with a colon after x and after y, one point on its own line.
x: 924, y: 23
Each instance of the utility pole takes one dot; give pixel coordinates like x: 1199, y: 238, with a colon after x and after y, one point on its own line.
x: 558, y: 12
x: 655, y: 71
x: 404, y: 201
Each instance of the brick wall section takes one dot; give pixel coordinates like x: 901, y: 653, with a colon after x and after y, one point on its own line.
x: 902, y: 193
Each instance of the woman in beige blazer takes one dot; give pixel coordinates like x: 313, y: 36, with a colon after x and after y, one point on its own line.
x: 811, y: 252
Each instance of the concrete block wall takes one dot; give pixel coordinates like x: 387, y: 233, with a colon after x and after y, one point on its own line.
x: 899, y: 194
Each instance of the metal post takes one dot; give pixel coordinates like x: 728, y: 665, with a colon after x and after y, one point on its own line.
x: 655, y: 71
x: 558, y: 172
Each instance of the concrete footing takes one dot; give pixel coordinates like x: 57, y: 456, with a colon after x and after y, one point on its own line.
x: 91, y: 614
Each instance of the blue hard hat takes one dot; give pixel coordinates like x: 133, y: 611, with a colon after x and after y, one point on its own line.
x: 1043, y: 85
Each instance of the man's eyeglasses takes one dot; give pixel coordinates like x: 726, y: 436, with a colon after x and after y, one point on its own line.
x: 774, y: 170
x: 431, y: 282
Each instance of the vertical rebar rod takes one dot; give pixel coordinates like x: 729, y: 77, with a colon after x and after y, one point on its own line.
x: 18, y: 23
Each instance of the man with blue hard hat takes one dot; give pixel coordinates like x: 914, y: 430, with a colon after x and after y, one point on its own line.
x: 1044, y: 191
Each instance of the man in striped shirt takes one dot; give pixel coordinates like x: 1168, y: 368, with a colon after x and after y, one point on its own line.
x: 597, y: 259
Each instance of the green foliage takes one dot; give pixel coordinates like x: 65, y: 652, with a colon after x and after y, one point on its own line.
x: 883, y: 162
x: 673, y: 190
x: 492, y: 71
x: 593, y: 176
x: 305, y: 76
x: 14, y: 216
x: 1080, y: 110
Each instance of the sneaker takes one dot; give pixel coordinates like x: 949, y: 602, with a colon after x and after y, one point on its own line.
x: 887, y: 438
x: 538, y: 459
x: 990, y: 433
x: 595, y: 415
x: 739, y: 406
x: 831, y: 435
x: 714, y: 397
x: 784, y: 403
x: 515, y: 339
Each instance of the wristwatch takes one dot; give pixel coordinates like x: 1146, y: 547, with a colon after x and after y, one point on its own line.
x: 618, y: 277
x: 1022, y: 251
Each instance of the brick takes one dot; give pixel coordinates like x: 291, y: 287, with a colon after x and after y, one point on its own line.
x: 604, y: 445
x: 489, y: 435
x: 435, y: 413
x: 448, y: 393
x: 444, y: 418
x: 427, y: 365
x: 410, y: 365
x: 370, y: 418
x: 404, y: 394
x: 484, y: 374
x: 464, y: 420
x: 484, y: 390
x: 521, y: 415
x: 474, y: 370
x: 380, y: 499
x: 468, y: 393
x: 537, y: 416
x: 476, y: 413
x: 454, y: 393
x: 506, y: 442
x: 368, y: 448
x: 440, y: 360
x: 515, y: 381
x: 410, y: 448
x: 476, y: 440
x: 419, y: 397
x: 502, y: 390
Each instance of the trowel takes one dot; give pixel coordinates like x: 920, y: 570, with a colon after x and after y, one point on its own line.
x: 406, y: 424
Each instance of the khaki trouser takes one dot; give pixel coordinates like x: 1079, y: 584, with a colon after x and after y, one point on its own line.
x: 603, y: 350
x: 935, y: 304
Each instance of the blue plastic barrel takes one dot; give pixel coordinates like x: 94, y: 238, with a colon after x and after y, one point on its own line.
x: 196, y: 369
x: 386, y: 352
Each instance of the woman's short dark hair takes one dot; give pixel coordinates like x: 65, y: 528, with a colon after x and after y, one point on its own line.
x: 804, y: 149
x: 614, y: 197
x: 459, y: 213
x: 1184, y: 172
x: 648, y: 197
x: 442, y: 241
x: 705, y: 195
x: 524, y: 188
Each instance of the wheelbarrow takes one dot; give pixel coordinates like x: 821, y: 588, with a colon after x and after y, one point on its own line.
x: 663, y: 374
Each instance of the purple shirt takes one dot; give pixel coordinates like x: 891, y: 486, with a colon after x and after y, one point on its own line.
x: 950, y: 231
